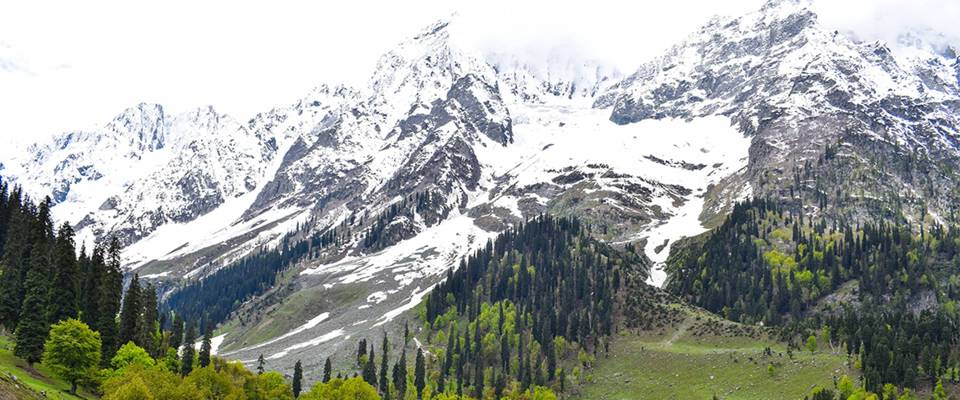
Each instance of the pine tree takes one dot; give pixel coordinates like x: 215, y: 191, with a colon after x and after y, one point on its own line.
x: 384, y: 387
x: 206, y: 347
x: 400, y: 373
x: 91, y: 287
x: 13, y: 264
x: 370, y: 369
x: 32, y: 327
x: 64, y: 291
x: 261, y: 365
x: 327, y: 370
x: 130, y: 313
x: 111, y: 287
x: 361, y: 351
x: 149, y: 320
x: 297, y: 379
x: 419, y: 374
x: 176, y: 336
x: 186, y: 360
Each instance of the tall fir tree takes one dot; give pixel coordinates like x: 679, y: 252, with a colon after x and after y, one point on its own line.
x: 109, y: 305
x: 370, y: 369
x: 64, y: 291
x: 205, y: 347
x: 261, y: 365
x: 384, y: 379
x: 297, y: 379
x: 130, y: 313
x: 327, y: 370
x: 176, y: 335
x: 186, y: 359
x: 32, y: 327
x: 400, y: 373
x: 149, y: 320
x: 91, y: 286
x: 419, y: 374
x: 13, y: 264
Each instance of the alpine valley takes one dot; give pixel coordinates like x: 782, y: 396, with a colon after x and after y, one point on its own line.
x: 688, y: 229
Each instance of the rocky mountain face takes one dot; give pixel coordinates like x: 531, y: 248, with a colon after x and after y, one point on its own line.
x: 840, y: 127
x: 446, y: 146
x: 144, y: 169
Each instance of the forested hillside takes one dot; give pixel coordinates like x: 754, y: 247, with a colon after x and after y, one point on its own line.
x: 514, y: 320
x: 888, y: 292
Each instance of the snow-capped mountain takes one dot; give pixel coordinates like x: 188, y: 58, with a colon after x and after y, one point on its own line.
x: 446, y: 146
x: 145, y: 168
x: 798, y: 88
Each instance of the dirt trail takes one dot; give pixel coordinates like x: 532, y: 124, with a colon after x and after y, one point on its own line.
x: 681, y: 330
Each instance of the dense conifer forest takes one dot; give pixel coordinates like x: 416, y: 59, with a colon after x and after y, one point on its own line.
x: 515, y: 319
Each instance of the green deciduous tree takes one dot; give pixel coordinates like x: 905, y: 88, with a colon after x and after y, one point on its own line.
x: 72, y: 351
x: 131, y: 354
x: 342, y: 389
x: 812, y: 343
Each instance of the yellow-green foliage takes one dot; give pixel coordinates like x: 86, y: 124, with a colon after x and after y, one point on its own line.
x: 782, y: 233
x: 342, y: 389
x: 229, y: 381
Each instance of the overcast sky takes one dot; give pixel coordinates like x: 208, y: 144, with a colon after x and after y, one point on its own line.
x: 74, y: 65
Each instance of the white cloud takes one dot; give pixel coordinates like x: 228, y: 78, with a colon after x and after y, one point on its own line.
x: 936, y: 21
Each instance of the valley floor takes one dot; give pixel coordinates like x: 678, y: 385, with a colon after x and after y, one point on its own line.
x: 676, y: 363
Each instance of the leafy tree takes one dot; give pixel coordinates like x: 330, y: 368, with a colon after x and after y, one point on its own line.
x: 342, y: 389
x: 131, y: 354
x: 268, y: 386
x: 812, y: 343
x: 72, y: 351
x: 132, y: 389
x: 212, y: 384
x: 938, y: 392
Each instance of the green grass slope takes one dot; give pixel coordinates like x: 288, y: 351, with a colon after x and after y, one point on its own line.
x: 18, y: 381
x: 699, y: 356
